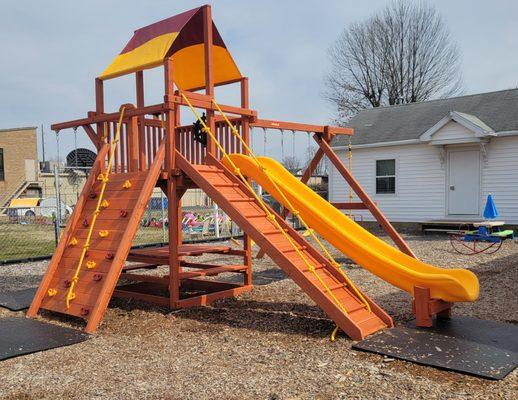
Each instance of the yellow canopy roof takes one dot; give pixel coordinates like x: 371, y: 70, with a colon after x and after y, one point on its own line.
x: 179, y: 37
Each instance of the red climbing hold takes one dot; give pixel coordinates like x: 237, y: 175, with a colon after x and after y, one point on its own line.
x: 109, y: 256
x: 124, y: 213
x: 93, y: 195
x: 97, y: 277
x: 86, y: 223
x: 67, y: 283
x: 84, y: 311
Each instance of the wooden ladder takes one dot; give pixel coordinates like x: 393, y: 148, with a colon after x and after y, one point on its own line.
x: 352, y: 315
x: 106, y: 255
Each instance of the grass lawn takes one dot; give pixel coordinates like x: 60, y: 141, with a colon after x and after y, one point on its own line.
x: 22, y: 241
x: 19, y: 241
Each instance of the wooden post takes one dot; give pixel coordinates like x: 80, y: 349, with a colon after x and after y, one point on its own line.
x: 174, y: 211
x: 245, y: 126
x: 99, y: 105
x: 133, y: 143
x: 139, y: 82
x: 209, y: 75
x: 364, y: 197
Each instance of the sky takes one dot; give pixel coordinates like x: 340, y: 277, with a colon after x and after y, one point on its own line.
x: 52, y: 50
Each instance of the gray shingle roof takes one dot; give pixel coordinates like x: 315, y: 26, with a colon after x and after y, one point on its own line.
x: 498, y: 110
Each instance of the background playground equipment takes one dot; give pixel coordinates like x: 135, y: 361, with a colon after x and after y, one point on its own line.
x: 138, y: 150
x: 488, y: 236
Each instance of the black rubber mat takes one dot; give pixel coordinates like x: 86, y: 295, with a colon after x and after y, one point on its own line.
x: 20, y: 336
x: 17, y: 300
x: 486, y: 349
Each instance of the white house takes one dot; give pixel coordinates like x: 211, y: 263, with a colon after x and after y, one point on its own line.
x: 436, y: 159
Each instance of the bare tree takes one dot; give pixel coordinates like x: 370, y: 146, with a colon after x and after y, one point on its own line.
x: 292, y: 164
x: 321, y: 168
x: 403, y: 54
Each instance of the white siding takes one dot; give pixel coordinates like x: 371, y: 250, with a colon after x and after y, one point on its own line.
x: 500, y: 177
x: 421, y: 180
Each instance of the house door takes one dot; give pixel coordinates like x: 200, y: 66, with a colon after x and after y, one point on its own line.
x: 463, y: 189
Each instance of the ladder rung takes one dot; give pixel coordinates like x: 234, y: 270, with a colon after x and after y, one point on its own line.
x: 319, y: 266
x: 334, y: 287
x: 292, y: 249
x: 230, y: 184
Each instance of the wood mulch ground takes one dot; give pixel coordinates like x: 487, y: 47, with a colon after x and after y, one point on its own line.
x: 272, y: 343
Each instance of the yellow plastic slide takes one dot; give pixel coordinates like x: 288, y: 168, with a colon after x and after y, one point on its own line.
x: 358, y: 244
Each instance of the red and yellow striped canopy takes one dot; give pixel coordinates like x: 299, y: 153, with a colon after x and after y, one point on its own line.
x: 179, y: 37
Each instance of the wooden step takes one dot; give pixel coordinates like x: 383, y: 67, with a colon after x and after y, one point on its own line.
x: 212, y: 271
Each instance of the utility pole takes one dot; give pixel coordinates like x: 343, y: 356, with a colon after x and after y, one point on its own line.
x: 43, y: 143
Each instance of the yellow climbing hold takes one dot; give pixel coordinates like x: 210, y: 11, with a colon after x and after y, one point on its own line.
x: 126, y: 185
x: 103, y: 233
x: 52, y: 292
x: 102, y: 177
x: 90, y: 264
x: 105, y: 203
x: 73, y: 241
x: 307, y: 233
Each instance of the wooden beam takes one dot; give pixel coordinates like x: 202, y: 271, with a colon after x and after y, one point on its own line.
x: 207, y: 104
x: 350, y: 206
x: 295, y: 126
x: 209, y: 73
x: 139, y: 86
x: 245, y: 126
x: 174, y: 209
x: 153, y: 109
x: 93, y: 136
x: 364, y: 197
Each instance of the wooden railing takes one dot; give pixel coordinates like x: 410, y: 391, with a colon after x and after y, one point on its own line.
x: 195, y: 152
x: 148, y: 141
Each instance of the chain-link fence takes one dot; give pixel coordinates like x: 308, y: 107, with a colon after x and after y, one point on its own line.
x: 31, y: 225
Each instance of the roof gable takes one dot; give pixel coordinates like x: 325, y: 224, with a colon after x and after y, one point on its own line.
x: 457, y: 127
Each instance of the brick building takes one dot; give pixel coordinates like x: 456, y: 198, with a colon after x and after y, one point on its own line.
x: 18, y: 164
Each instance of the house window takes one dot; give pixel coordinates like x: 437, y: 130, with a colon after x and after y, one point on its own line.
x: 2, y: 174
x: 385, y: 176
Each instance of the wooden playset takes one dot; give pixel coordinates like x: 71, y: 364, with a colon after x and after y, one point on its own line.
x: 143, y: 146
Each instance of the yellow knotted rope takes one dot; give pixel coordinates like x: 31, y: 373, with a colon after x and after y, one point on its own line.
x: 310, y: 232
x: 104, y: 178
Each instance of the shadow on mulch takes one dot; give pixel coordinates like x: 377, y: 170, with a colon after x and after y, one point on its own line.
x: 281, y: 317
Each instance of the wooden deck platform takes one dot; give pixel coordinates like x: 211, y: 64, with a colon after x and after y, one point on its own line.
x: 160, y: 255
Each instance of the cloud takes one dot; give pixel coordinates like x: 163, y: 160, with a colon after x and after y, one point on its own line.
x: 52, y: 51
